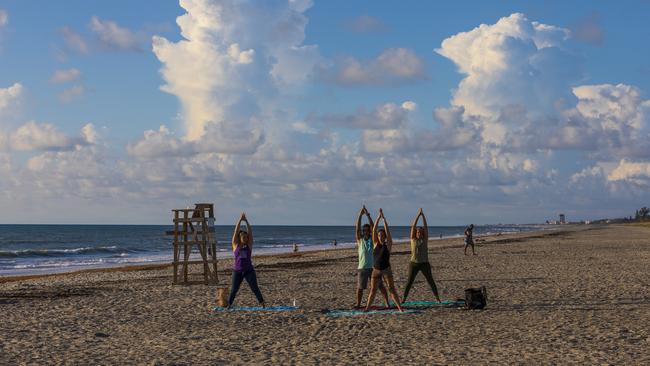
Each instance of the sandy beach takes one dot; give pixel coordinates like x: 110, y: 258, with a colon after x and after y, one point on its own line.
x: 578, y: 295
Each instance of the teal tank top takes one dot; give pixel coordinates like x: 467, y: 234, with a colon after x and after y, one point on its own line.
x: 365, y: 253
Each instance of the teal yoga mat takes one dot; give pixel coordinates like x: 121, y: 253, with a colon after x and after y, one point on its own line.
x: 344, y: 313
x: 434, y: 303
x: 270, y: 308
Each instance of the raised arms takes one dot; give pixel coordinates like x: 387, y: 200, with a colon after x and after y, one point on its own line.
x: 389, y: 238
x: 425, y: 226
x: 369, y: 217
x: 358, y: 229
x: 375, y: 235
x: 249, y: 228
x: 415, y: 224
x: 235, y: 234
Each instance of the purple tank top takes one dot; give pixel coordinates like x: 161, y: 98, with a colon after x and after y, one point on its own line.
x: 243, y: 260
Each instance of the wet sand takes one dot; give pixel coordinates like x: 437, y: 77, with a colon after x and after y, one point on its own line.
x: 581, y: 295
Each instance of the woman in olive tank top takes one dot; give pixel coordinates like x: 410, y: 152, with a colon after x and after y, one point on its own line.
x: 420, y: 256
x: 382, y: 245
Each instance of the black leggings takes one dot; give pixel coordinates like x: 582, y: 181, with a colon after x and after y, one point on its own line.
x: 251, y: 278
x: 414, y: 268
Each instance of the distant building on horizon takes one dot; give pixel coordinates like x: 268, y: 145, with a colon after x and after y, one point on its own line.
x: 562, y: 219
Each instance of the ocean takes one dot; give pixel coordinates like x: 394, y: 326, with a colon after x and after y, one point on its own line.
x: 39, y: 249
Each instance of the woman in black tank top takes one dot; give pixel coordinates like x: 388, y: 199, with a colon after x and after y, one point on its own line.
x: 382, y: 245
x: 381, y: 257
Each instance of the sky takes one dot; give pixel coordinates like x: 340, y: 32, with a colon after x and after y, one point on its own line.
x: 299, y: 111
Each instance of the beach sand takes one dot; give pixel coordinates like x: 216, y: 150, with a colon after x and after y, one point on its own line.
x: 580, y: 295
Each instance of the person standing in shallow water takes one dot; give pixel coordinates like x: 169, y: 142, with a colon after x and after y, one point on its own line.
x: 242, y: 248
x: 469, y: 238
x: 382, y: 245
x: 364, y: 248
x: 420, y: 256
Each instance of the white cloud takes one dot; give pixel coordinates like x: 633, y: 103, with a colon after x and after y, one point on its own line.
x: 233, y: 60
x: 217, y: 139
x: 65, y: 76
x: 385, y: 116
x: 34, y: 136
x: 638, y: 172
x: 10, y: 95
x: 72, y: 93
x: 392, y: 66
x: 113, y: 36
x: 409, y: 105
x: 512, y: 62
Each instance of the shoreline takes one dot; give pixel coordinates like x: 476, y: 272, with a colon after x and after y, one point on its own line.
x: 160, y: 265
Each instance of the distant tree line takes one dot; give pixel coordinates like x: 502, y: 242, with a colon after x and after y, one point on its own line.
x: 642, y: 214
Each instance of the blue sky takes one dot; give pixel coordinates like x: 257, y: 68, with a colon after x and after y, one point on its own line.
x: 480, y: 111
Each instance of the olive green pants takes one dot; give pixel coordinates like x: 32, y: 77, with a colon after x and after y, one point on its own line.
x: 414, y: 268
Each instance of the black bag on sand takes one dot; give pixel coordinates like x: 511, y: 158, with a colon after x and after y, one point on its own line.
x: 475, y: 298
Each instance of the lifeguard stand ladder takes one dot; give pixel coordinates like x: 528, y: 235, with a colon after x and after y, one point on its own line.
x: 195, y: 227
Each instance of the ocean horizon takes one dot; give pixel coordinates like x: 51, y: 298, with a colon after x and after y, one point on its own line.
x: 27, y: 249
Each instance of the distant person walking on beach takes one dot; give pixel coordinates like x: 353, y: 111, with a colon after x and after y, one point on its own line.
x: 364, y: 248
x: 420, y: 256
x: 469, y: 238
x: 242, y: 248
x: 382, y: 245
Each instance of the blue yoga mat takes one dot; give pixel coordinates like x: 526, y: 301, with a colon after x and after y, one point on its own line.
x: 258, y: 308
x: 343, y: 313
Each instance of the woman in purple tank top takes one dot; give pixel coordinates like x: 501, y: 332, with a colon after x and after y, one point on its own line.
x: 242, y: 248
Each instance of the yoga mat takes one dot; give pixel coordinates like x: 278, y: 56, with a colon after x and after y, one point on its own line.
x: 343, y: 313
x: 270, y: 308
x: 434, y: 303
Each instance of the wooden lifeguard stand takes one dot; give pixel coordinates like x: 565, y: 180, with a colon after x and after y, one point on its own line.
x: 195, y: 227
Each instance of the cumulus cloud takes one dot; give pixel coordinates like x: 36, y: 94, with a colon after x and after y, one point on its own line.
x: 366, y: 24
x: 636, y: 172
x: 10, y: 95
x: 113, y: 36
x: 614, y: 116
x: 385, y: 116
x: 409, y: 105
x: 217, y: 139
x: 234, y: 58
x: 34, y: 136
x: 392, y: 66
x: 512, y: 62
x: 65, y: 76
